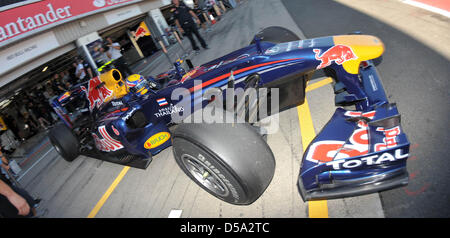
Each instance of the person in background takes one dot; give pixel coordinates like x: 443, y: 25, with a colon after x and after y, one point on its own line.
x: 14, y: 201
x: 82, y: 71
x: 65, y: 77
x: 115, y: 54
x: 11, y: 124
x: 183, y: 19
x: 201, y: 17
x: 38, y: 113
x: 104, y: 55
x: 56, y: 84
x: 67, y: 86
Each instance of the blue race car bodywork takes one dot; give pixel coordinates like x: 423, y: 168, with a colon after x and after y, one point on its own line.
x: 357, y: 152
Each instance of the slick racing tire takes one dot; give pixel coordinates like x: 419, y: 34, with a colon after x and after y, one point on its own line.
x: 230, y: 161
x: 276, y: 34
x: 65, y: 143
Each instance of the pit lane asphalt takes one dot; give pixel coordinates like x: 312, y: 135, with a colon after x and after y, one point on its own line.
x: 74, y: 189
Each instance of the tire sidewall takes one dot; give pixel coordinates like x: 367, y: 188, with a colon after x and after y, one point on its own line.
x: 236, y: 193
x: 62, y: 132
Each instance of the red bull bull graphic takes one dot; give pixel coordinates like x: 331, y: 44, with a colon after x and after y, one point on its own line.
x: 64, y: 96
x: 96, y: 93
x: 141, y: 31
x: 338, y: 53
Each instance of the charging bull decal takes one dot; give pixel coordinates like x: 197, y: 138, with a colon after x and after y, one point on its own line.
x: 96, y: 93
x: 338, y: 53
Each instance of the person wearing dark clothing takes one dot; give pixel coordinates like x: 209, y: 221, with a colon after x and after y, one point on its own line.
x: 39, y: 114
x: 15, y: 202
x: 183, y: 19
x: 201, y: 17
x: 12, y: 125
x: 56, y: 84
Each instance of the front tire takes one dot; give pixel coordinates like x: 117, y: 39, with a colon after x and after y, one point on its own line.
x: 65, y: 143
x: 230, y: 161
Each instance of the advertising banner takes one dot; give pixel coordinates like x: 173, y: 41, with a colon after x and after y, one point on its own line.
x: 141, y: 31
x: 16, y: 55
x: 41, y: 15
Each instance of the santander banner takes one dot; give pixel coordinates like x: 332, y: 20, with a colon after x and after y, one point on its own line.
x: 42, y: 14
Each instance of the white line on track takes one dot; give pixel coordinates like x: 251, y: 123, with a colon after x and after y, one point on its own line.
x: 427, y: 7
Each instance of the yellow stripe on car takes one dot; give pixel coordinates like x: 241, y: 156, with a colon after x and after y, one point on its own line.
x: 365, y: 47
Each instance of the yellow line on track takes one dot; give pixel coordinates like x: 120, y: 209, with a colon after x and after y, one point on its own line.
x: 319, y: 208
x: 319, y: 84
x: 108, y: 192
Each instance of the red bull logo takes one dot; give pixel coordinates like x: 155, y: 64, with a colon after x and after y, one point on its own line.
x: 64, y: 96
x: 96, y: 93
x: 338, y: 53
x: 141, y: 31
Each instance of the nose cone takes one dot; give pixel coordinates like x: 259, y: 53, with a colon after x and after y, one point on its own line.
x: 365, y: 47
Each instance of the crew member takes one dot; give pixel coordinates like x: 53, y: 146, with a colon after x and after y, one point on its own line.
x: 14, y: 201
x: 115, y: 54
x: 183, y: 19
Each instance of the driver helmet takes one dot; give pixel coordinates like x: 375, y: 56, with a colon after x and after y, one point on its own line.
x: 136, y: 83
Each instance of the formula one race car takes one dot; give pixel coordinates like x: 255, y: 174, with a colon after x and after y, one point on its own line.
x: 127, y: 121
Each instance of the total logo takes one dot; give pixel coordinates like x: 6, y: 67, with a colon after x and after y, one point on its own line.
x: 338, y: 153
x: 157, y: 140
x: 369, y: 160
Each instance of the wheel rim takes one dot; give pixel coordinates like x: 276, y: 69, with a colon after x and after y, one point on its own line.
x: 58, y: 149
x: 204, y: 175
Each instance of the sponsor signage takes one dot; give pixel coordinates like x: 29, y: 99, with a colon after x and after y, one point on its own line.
x: 8, y: 4
x: 141, y: 31
x: 121, y: 14
x: 41, y: 15
x: 96, y: 93
x: 106, y: 143
x: 24, y: 51
x: 377, y: 159
x: 157, y: 140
